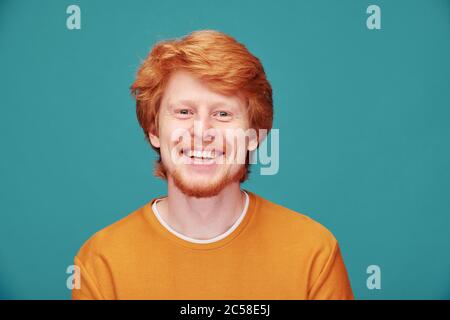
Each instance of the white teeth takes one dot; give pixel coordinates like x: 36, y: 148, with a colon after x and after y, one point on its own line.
x: 200, y: 154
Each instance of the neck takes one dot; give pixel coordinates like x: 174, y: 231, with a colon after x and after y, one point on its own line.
x: 202, y: 218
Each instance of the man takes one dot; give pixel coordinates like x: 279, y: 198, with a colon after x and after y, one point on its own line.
x: 208, y: 239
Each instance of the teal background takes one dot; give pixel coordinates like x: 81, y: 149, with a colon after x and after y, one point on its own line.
x: 363, y: 118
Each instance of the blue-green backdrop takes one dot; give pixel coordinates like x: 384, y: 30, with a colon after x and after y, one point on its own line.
x: 363, y: 118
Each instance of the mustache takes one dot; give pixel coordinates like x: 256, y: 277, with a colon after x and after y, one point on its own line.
x: 200, y: 145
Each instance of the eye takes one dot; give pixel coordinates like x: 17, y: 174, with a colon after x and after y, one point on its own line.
x: 223, y: 115
x: 183, y: 113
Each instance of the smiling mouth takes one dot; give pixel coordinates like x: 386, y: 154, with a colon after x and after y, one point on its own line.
x: 201, y: 156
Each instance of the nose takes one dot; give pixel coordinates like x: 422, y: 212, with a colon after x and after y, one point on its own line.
x: 202, y: 129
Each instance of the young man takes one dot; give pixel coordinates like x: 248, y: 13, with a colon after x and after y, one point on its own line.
x: 208, y: 239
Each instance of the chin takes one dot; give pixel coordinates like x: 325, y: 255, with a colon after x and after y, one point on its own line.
x: 200, y: 192
x: 202, y: 187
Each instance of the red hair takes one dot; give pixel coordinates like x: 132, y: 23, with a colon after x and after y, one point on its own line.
x: 225, y: 66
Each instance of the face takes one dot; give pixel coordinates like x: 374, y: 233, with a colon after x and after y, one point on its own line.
x: 200, y: 136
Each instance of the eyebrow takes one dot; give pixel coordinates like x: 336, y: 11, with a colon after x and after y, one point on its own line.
x: 192, y: 103
x: 186, y: 102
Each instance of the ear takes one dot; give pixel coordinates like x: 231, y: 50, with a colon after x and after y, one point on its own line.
x: 154, y: 140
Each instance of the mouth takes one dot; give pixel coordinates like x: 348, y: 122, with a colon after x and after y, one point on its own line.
x: 201, y: 157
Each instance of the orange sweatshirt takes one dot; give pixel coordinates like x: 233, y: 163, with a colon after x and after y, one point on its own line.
x: 274, y: 253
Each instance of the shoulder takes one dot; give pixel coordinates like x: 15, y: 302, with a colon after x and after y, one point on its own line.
x: 117, y: 236
x: 294, y: 227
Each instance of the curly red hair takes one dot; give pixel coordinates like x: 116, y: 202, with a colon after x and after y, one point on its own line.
x: 225, y: 65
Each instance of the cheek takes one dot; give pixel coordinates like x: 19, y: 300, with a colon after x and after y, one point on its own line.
x: 235, y: 137
x: 165, y: 143
x: 171, y: 131
x: 171, y: 137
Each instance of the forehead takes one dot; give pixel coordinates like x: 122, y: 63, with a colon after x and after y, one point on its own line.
x: 185, y: 88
